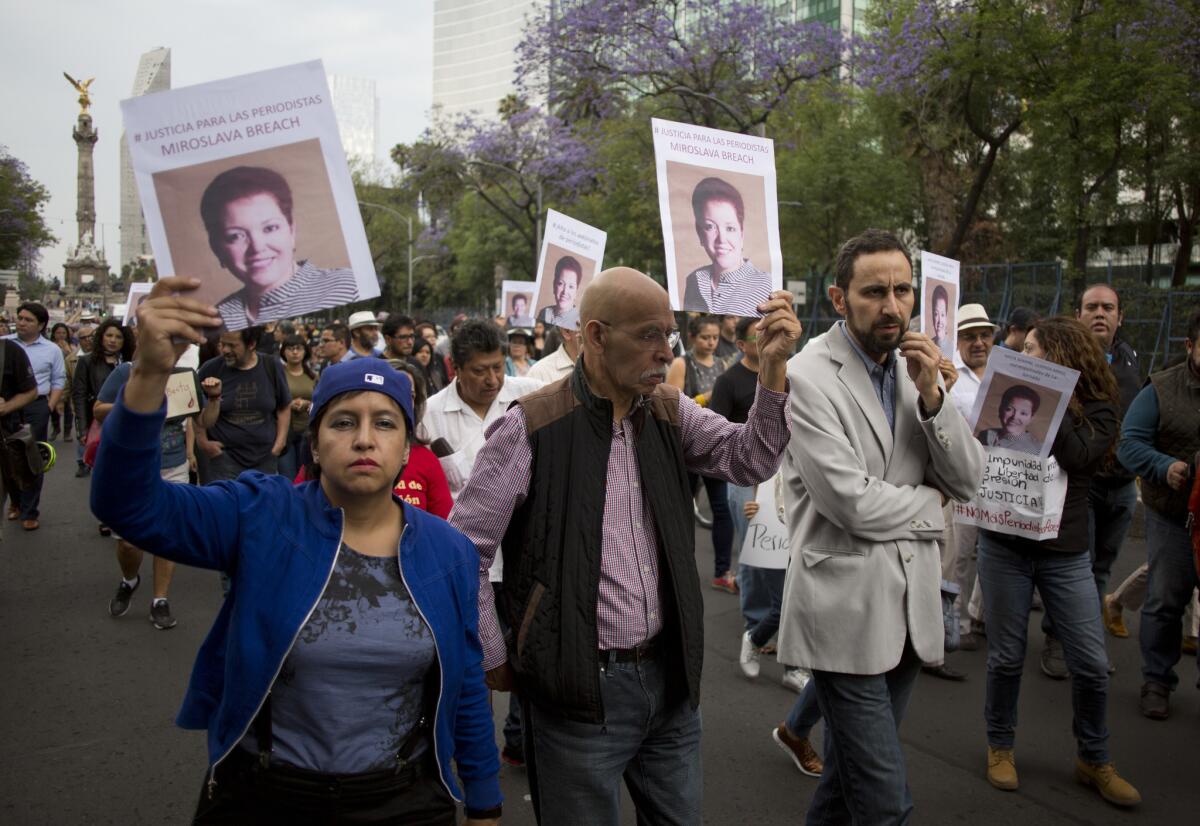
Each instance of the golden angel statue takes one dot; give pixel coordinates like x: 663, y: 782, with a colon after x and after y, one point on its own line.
x: 82, y: 87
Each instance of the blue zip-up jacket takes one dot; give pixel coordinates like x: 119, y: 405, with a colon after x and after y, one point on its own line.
x: 278, y: 544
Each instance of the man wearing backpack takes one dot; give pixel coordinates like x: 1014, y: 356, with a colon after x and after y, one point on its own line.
x: 251, y: 395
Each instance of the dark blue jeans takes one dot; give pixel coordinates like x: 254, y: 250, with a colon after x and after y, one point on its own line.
x: 288, y: 464
x: 576, y: 768
x: 722, y: 524
x: 865, y: 779
x: 1068, y: 591
x: 1172, y: 576
x: 761, y: 593
x: 36, y: 414
x: 805, y: 713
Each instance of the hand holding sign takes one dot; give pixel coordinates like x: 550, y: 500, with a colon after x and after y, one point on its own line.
x: 923, y: 359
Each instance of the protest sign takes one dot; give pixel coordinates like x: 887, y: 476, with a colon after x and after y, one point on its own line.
x: 183, y: 394
x: 939, y: 301
x: 516, y: 302
x: 572, y: 253
x: 767, y: 540
x: 138, y: 292
x: 720, y: 218
x: 1017, y: 413
x: 244, y: 185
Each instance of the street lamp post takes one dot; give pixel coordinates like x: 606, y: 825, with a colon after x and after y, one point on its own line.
x: 408, y: 222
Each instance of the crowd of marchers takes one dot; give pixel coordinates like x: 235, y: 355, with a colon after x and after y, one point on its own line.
x: 407, y: 518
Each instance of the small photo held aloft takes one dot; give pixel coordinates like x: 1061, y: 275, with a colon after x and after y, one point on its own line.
x: 572, y: 254
x: 939, y: 301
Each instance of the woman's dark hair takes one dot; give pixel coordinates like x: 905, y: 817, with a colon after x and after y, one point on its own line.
x: 37, y: 311
x: 940, y: 294
x: 55, y: 328
x: 420, y: 391
x: 1020, y: 391
x: 298, y: 341
x: 235, y: 184
x: 473, y: 336
x: 126, y: 351
x: 865, y: 243
x: 551, y: 341
x: 695, y: 325
x: 716, y: 189
x: 568, y: 263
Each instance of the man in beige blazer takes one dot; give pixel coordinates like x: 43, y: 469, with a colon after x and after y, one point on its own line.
x: 876, y: 450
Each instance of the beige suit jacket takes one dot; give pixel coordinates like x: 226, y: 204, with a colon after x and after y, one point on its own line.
x: 864, y: 510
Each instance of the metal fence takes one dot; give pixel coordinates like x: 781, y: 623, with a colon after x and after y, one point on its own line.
x: 1155, y: 317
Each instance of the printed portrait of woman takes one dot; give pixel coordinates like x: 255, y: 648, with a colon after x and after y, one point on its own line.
x: 939, y: 327
x: 248, y: 216
x: 1018, y: 405
x: 731, y: 284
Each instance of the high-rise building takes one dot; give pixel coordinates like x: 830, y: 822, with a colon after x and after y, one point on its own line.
x: 474, y: 52
x: 153, y: 75
x: 848, y: 15
x: 356, y: 107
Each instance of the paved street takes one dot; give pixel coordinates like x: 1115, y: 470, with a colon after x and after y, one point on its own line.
x: 88, y: 702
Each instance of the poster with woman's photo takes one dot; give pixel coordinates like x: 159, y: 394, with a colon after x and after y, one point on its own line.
x: 720, y: 218
x: 572, y: 254
x: 516, y: 303
x: 244, y: 185
x: 1019, y: 407
x: 939, y: 301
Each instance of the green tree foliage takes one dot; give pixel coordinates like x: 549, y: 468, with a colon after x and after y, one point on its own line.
x: 23, y: 230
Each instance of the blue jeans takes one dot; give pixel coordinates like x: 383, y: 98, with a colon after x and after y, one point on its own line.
x: 738, y: 496
x: 289, y: 460
x: 36, y: 414
x: 805, y: 713
x: 1168, y: 591
x: 761, y: 594
x: 576, y: 768
x: 864, y: 779
x: 1110, y: 512
x: 722, y: 525
x: 1068, y: 591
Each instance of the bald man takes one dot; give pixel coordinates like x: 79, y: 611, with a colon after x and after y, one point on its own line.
x: 584, y: 485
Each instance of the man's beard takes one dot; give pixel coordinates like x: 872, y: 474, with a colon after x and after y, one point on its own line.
x: 871, y: 341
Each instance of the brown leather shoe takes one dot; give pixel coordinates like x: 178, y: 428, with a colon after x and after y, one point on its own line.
x: 800, y: 750
x: 1112, y: 787
x: 30, y: 524
x: 1113, y: 620
x: 1002, y: 769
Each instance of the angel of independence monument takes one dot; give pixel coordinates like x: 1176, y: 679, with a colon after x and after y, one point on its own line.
x: 85, y: 273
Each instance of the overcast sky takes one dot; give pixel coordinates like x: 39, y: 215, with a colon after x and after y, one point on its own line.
x: 388, y: 42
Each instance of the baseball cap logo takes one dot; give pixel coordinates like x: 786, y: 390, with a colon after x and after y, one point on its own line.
x: 372, y: 378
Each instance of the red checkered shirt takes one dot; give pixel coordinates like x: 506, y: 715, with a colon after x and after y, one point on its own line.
x: 627, y: 611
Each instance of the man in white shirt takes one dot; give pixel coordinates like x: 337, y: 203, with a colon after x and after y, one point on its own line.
x: 461, y: 414
x: 561, y: 362
x: 976, y: 335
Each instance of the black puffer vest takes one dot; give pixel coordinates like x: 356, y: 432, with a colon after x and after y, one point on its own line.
x: 1178, y: 435
x: 552, y: 547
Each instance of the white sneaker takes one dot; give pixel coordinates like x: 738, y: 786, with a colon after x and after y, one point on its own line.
x: 749, y: 657
x: 796, y: 678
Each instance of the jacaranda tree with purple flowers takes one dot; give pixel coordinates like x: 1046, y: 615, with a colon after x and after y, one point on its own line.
x: 726, y: 65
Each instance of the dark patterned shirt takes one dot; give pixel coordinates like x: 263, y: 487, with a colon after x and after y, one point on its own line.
x: 309, y: 290
x: 351, y: 689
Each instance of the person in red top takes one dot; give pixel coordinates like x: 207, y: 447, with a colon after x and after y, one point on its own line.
x: 422, y: 483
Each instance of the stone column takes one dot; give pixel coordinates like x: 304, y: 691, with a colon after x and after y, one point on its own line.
x: 85, y: 213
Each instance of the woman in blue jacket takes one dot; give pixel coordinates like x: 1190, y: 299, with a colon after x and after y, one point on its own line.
x: 342, y: 674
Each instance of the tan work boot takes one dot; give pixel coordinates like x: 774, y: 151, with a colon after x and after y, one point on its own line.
x: 1114, y: 621
x: 1002, y: 769
x: 1112, y: 787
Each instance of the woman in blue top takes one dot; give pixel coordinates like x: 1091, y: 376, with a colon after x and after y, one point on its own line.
x: 343, y: 673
